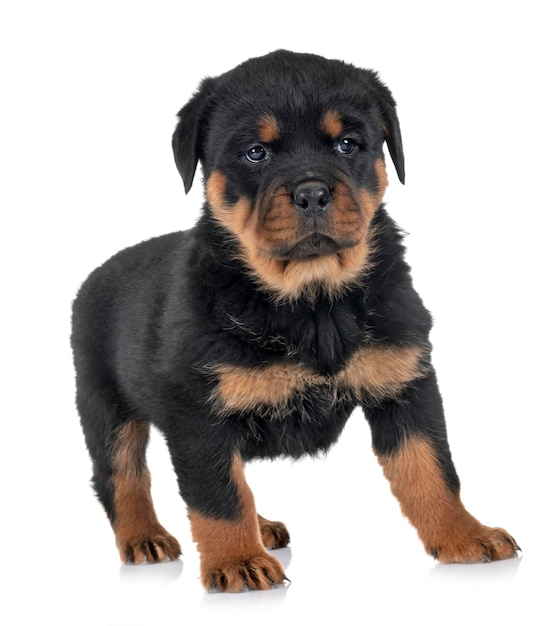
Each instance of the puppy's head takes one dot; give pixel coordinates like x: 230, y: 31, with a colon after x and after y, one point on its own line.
x: 291, y: 147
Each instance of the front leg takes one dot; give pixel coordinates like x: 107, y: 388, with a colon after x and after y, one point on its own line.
x: 224, y: 522
x: 233, y: 557
x: 409, y: 438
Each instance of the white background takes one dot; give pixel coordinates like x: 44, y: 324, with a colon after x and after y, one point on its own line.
x: 89, y: 95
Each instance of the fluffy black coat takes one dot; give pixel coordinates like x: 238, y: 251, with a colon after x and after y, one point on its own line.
x: 151, y: 325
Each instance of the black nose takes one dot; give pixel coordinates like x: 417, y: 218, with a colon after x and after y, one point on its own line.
x: 312, y: 197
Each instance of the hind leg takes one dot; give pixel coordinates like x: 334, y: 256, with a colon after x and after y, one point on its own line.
x: 140, y: 537
x: 122, y: 482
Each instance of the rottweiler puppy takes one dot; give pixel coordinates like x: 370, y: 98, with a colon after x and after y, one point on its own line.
x: 256, y: 333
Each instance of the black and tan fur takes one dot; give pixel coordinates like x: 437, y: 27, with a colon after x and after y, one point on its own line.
x: 256, y: 333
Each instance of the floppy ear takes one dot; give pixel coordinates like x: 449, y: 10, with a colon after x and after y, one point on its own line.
x: 393, y: 140
x: 389, y: 118
x: 188, y: 135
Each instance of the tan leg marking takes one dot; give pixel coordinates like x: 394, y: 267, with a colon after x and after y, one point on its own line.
x: 447, y: 530
x: 140, y: 537
x: 233, y: 557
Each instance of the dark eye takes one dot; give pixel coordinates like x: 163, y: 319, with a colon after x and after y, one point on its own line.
x: 256, y: 154
x: 347, y: 145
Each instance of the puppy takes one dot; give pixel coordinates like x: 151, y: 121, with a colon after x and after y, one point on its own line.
x: 256, y: 333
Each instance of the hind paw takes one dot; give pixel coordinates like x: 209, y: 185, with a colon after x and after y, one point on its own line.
x: 274, y: 534
x: 154, y: 548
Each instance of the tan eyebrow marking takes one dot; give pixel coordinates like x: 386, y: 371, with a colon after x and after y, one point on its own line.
x: 268, y: 129
x: 332, y: 124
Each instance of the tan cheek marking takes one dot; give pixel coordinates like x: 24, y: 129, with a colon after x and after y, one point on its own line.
x: 279, y: 221
x: 242, y: 389
x: 268, y: 129
x: 368, y: 204
x: 382, y: 371
x: 234, y: 217
x: 215, y: 190
x: 332, y: 124
x: 369, y: 201
x: 382, y: 178
x: 345, y: 217
x: 331, y: 274
x: 286, y: 280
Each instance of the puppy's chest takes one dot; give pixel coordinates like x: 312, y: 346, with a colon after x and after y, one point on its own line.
x: 275, y: 389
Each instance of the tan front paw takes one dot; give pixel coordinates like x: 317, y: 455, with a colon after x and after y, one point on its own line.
x: 480, y: 545
x: 261, y: 572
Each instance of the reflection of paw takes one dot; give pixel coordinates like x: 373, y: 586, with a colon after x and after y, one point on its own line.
x: 480, y: 545
x: 150, y: 549
x: 261, y: 572
x: 274, y: 534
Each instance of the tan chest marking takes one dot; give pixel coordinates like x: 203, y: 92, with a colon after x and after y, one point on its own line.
x: 382, y: 371
x: 240, y: 388
x: 376, y: 371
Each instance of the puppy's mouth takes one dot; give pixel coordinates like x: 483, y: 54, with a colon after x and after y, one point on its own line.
x: 310, y: 247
